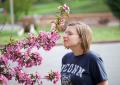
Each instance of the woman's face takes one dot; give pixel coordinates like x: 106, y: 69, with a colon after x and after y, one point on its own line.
x: 71, y: 37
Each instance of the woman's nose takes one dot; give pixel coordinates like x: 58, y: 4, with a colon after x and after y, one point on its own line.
x: 65, y: 37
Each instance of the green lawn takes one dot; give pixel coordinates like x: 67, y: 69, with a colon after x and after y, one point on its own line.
x: 6, y: 35
x: 99, y: 35
x: 88, y: 6
x: 83, y: 6
x: 41, y: 9
x: 106, y: 34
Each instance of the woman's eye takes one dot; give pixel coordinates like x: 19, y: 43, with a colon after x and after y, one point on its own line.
x: 68, y: 33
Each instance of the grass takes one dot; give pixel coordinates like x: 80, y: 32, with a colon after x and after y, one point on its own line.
x: 100, y: 34
x: 88, y: 6
x: 44, y: 9
x: 5, y: 36
x: 83, y: 6
x: 106, y: 34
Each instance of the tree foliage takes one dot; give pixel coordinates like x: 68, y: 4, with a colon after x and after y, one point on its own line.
x: 115, y: 7
x: 20, y: 6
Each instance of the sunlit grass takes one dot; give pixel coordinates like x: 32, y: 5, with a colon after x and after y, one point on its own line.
x: 100, y: 34
x: 89, y: 6
x: 106, y: 34
x: 44, y: 8
x: 83, y: 6
x: 5, y: 36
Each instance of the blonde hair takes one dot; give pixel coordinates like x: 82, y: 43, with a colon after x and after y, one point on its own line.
x: 85, y: 34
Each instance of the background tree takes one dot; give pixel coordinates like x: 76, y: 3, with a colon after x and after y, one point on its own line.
x: 21, y: 7
x: 2, y: 1
x: 115, y: 7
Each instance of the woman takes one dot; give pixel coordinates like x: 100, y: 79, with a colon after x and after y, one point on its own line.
x: 81, y: 66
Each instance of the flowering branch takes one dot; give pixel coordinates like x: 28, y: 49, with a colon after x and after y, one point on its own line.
x: 25, y: 53
x: 59, y: 24
x: 53, y: 76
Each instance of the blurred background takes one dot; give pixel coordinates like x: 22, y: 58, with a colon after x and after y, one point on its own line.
x: 18, y: 17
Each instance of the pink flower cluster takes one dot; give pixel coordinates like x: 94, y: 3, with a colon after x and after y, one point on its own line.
x: 59, y: 24
x: 24, y: 54
x: 64, y: 9
x: 47, y: 40
x: 27, y: 79
x: 53, y: 76
x: 3, y: 80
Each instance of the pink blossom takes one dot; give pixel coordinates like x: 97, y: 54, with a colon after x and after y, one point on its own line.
x: 57, y: 77
x: 27, y: 56
x: 4, y: 59
x: 37, y: 75
x: 3, y: 79
x: 66, y: 8
x: 53, y: 76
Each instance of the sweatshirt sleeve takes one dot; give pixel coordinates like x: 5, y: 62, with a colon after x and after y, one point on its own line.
x: 97, y: 70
